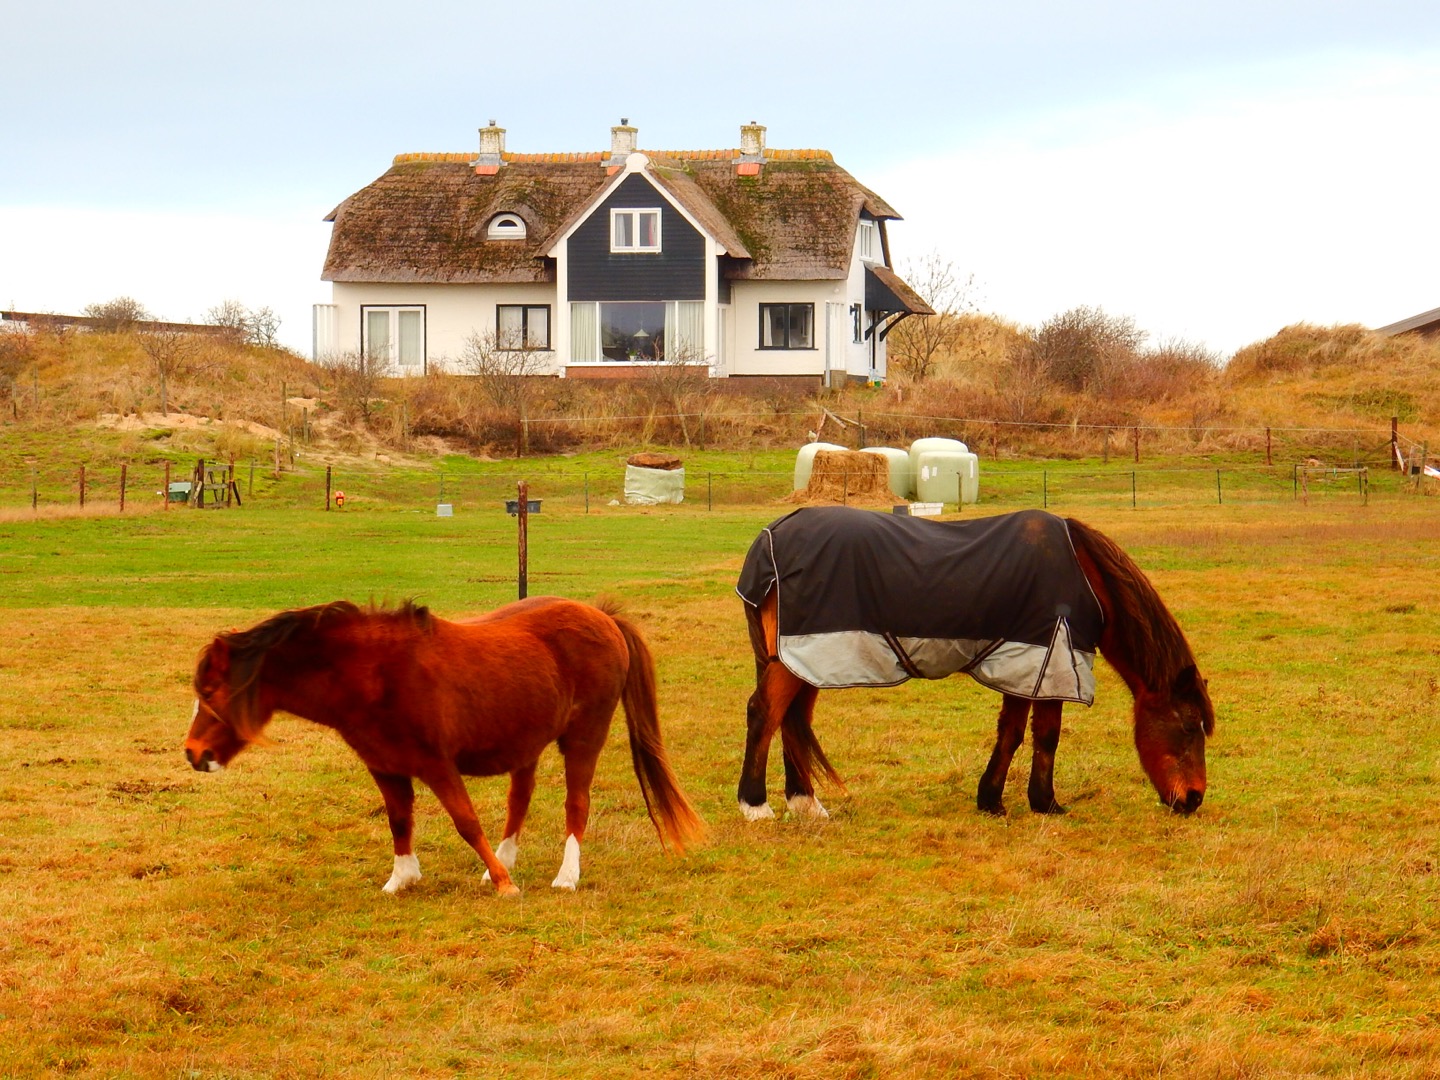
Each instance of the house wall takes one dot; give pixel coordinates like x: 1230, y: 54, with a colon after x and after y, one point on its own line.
x: 746, y: 356
x: 452, y: 313
x: 675, y: 272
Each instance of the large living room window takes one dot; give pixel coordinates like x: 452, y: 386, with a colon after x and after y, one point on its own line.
x: 634, y: 231
x: 394, y: 337
x: 522, y: 326
x: 672, y: 331
x: 787, y: 326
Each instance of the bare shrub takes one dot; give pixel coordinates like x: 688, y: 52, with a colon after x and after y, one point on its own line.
x: 917, y: 343
x: 169, y: 352
x: 1168, y: 372
x: 356, y: 380
x: 509, y: 377
x: 118, y: 315
x: 1078, y: 348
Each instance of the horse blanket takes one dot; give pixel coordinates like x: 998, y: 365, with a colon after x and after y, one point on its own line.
x: 871, y: 599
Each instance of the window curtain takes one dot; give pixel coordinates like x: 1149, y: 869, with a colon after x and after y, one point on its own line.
x: 685, y: 331
x: 411, y: 338
x: 584, y: 332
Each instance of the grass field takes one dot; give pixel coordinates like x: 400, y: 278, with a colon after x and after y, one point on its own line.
x: 159, y: 922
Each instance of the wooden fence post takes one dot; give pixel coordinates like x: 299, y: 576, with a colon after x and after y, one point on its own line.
x: 327, y: 487
x: 165, y: 492
x: 82, y: 486
x: 123, y: 467
x: 1137, y: 444
x: 522, y: 515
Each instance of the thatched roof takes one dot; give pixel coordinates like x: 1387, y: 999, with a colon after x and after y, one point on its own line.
x: 425, y: 220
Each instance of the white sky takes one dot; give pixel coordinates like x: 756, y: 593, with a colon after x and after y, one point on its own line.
x: 1214, y: 172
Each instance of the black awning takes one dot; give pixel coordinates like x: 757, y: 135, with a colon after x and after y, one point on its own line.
x: 886, y: 291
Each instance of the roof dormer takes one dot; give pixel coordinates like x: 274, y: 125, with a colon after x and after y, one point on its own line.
x: 506, y: 227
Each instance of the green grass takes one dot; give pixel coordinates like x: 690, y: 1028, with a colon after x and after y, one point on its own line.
x: 158, y: 922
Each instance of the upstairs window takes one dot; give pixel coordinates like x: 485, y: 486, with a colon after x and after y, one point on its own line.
x: 865, y: 241
x: 787, y: 326
x: 522, y: 326
x: 506, y: 227
x: 634, y: 231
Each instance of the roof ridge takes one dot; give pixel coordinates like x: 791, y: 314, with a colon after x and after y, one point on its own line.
x: 599, y: 156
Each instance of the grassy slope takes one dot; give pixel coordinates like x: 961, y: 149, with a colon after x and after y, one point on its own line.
x: 158, y: 922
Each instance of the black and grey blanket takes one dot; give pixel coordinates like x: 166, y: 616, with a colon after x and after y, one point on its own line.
x: 871, y: 599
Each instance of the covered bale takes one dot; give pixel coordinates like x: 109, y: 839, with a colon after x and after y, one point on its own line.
x: 848, y: 476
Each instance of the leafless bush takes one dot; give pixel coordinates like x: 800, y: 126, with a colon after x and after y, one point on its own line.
x: 1168, y: 372
x: 118, y: 315
x: 356, y: 380
x: 255, y: 326
x: 1080, y: 347
x: 919, y: 341
x: 509, y: 377
x: 170, y: 353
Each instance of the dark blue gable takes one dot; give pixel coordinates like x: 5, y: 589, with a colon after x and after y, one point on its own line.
x: 677, y: 272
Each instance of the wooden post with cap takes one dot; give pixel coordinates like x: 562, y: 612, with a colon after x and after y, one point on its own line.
x: 522, y: 516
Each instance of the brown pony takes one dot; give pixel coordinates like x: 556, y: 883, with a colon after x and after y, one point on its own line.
x: 1140, y: 638
x: 421, y: 697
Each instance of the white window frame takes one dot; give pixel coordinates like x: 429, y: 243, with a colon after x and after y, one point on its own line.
x: 506, y: 227
x: 634, y: 214
x: 865, y: 241
x: 526, y: 345
x: 394, y: 361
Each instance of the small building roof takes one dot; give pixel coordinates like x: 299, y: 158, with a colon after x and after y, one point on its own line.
x: 426, y: 218
x: 1427, y: 322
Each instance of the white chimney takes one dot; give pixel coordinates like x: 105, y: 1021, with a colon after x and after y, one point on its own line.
x: 752, y: 142
x: 492, y: 149
x: 622, y: 141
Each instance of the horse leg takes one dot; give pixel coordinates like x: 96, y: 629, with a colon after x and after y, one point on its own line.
x: 522, y: 786
x: 797, y: 725
x: 580, y: 762
x: 774, y: 691
x: 1009, y: 735
x: 1044, y: 737
x: 399, y: 795
x: 449, y: 788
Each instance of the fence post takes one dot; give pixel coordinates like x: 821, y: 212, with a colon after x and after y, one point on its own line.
x: 123, y: 467
x: 587, y: 492
x: 82, y: 486
x: 1137, y: 444
x: 1219, y: 499
x: 522, y: 516
x: 327, y: 487
x: 1132, y: 489
x: 1395, y: 443
x: 165, y: 494
x: 34, y: 489
x: 1267, y: 446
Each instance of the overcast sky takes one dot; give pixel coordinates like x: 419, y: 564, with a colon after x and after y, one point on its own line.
x: 1215, y: 171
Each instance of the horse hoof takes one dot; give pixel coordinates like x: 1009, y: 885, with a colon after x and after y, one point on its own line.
x: 806, y: 806
x: 407, y: 872
x: 562, y: 882
x: 755, y: 813
x: 507, y: 888
x: 993, y: 809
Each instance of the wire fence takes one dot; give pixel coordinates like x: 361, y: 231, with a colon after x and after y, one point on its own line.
x: 254, y: 483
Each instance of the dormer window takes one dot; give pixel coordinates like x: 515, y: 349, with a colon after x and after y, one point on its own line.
x: 865, y: 242
x: 506, y: 227
x: 634, y: 231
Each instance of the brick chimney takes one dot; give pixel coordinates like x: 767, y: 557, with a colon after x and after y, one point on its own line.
x: 492, y: 149
x: 622, y: 142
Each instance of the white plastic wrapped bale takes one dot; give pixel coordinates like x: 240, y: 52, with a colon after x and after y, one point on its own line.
x: 651, y: 487
x: 805, y: 461
x: 902, y: 472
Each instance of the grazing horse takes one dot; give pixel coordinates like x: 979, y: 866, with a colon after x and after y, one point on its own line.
x: 839, y: 597
x: 419, y: 697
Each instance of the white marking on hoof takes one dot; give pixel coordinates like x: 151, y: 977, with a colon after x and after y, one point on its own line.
x: 755, y: 813
x: 407, y: 872
x: 807, y: 806
x: 569, y: 875
x: 506, y: 851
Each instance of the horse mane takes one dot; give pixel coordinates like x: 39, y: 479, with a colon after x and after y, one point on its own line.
x: 247, y: 649
x: 1139, y: 628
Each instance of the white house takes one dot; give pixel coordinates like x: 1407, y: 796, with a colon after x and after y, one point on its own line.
x: 754, y: 262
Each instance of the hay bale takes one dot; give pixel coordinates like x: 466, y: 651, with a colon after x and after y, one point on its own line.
x: 848, y: 476
x: 648, y: 460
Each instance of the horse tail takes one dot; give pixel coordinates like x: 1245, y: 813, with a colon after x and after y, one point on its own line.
x: 797, y: 738
x: 675, y: 819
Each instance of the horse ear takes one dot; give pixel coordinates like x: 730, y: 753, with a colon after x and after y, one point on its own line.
x: 1187, y: 682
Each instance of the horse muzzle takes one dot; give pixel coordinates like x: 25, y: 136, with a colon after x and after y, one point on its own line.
x: 203, y: 761
x: 1187, y: 803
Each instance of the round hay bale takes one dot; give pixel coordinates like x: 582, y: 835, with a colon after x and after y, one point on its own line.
x: 850, y: 477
